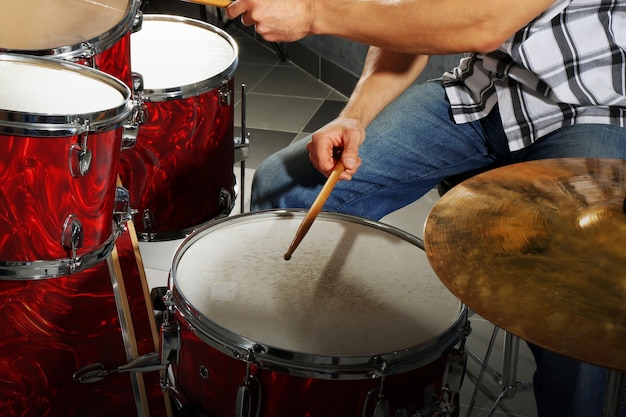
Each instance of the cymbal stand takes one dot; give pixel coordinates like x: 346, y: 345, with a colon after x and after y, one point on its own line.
x: 241, y: 149
x: 614, y: 393
x: 507, y: 379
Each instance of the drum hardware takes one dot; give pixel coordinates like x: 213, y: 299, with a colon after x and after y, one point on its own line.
x: 242, y: 145
x: 122, y: 211
x: 150, y: 362
x: 80, y: 156
x: 507, y: 379
x: 245, y: 397
x: 131, y: 129
x: 147, y: 219
x: 16, y: 270
x: 138, y: 21
x: 129, y: 136
x: 225, y: 94
x: 97, y: 372
x: 72, y: 238
x: 381, y: 409
x: 225, y: 200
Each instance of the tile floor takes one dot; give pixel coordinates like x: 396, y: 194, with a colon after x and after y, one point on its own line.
x: 284, y: 104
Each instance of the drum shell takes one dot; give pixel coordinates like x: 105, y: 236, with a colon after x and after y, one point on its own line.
x: 209, y: 380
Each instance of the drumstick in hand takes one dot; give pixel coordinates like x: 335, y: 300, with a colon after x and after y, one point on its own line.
x: 216, y: 3
x: 316, y: 207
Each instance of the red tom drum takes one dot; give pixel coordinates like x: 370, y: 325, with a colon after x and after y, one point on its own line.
x: 60, y: 130
x: 180, y: 171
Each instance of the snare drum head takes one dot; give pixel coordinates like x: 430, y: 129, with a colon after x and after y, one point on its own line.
x: 352, y: 288
x: 44, y: 24
x: 172, y: 51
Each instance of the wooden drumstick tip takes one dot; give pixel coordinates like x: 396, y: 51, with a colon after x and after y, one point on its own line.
x: 315, y: 209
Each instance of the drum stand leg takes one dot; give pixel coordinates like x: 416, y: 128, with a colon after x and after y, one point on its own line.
x: 507, y: 379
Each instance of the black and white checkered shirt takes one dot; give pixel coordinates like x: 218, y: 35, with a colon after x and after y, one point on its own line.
x: 566, y: 67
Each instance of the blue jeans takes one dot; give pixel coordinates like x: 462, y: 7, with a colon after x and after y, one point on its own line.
x: 410, y: 147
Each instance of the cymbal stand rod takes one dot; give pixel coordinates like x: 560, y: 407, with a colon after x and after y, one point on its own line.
x: 509, y: 364
x: 614, y: 392
x: 508, y: 379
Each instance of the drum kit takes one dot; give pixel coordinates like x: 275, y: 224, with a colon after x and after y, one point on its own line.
x: 118, y: 127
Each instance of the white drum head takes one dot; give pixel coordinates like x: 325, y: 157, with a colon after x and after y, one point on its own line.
x: 50, y: 88
x: 351, y: 288
x: 171, y: 52
x: 45, y: 24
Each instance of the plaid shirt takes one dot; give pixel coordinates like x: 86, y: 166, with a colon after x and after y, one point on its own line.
x: 566, y: 67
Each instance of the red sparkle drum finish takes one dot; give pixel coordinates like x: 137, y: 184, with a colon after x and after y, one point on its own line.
x: 56, y: 326
x: 60, y: 131
x: 180, y: 172
x: 354, y: 324
x: 95, y: 34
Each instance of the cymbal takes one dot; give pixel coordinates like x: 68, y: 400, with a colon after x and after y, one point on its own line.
x: 539, y: 249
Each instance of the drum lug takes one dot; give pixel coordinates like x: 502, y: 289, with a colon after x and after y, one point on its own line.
x: 89, y: 54
x: 382, y: 408
x: 170, y: 333
x: 80, y: 155
x: 245, y: 398
x: 122, y: 212
x: 382, y: 405
x: 147, y: 218
x: 225, y: 200
x: 129, y: 136
x: 225, y: 95
x: 72, y: 238
x: 137, y: 21
x: 139, y: 116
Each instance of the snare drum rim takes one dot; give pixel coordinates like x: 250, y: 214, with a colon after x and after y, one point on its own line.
x: 20, y: 123
x: 155, y: 95
x: 306, y: 364
x: 89, y: 47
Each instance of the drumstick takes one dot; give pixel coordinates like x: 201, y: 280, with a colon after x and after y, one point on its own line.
x: 216, y: 3
x: 316, y: 207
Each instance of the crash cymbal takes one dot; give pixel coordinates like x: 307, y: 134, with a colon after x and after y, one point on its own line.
x: 539, y: 249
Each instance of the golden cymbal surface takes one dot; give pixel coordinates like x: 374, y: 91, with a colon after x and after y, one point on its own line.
x: 539, y: 249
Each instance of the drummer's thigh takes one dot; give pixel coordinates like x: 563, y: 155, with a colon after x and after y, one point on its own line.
x: 583, y: 141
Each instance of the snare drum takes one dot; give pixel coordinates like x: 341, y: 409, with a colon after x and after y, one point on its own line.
x: 180, y: 172
x: 354, y: 324
x: 93, y: 33
x: 60, y: 131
